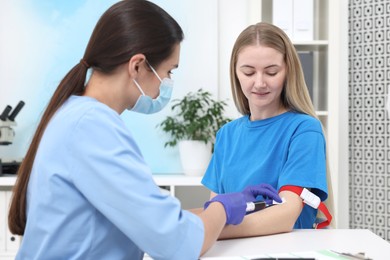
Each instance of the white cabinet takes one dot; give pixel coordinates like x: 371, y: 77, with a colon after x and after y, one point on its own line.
x: 9, y: 243
x: 188, y: 189
x: 176, y: 180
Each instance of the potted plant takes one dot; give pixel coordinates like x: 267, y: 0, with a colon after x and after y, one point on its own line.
x: 196, y: 120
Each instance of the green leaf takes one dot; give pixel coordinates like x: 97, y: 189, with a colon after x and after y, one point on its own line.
x: 197, y: 116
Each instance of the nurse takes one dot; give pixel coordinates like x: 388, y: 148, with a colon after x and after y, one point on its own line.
x: 84, y: 190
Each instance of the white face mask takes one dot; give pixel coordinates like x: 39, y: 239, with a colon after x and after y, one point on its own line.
x: 147, y: 105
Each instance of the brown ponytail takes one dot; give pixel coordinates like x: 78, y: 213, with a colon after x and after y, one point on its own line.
x: 125, y: 29
x: 72, y: 84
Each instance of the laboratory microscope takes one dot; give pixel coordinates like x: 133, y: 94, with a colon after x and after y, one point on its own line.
x: 7, y: 134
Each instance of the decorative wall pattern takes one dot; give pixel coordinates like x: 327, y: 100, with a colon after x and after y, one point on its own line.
x: 369, y: 126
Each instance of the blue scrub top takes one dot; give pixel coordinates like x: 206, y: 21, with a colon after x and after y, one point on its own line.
x: 92, y: 196
x: 288, y: 149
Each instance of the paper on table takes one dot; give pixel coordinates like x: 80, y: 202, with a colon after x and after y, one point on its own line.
x: 318, y: 255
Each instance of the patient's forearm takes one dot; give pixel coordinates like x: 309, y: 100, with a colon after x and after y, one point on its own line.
x: 196, y: 211
x: 272, y: 220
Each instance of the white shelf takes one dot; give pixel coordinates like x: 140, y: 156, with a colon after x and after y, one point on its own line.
x: 172, y: 181
x: 160, y: 179
x: 177, y: 180
x: 311, y: 43
x: 7, y: 181
x: 322, y: 113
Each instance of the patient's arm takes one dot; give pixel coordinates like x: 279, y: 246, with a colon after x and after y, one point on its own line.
x: 276, y: 219
x: 196, y: 211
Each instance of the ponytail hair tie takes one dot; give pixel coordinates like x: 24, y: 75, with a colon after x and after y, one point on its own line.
x: 82, y: 61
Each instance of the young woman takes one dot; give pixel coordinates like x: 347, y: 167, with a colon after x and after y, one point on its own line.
x: 83, y: 190
x: 278, y: 140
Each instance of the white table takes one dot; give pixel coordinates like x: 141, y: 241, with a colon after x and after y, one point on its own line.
x: 341, y: 240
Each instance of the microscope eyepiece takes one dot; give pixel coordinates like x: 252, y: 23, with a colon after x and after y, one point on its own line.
x: 16, y: 111
x: 5, y: 113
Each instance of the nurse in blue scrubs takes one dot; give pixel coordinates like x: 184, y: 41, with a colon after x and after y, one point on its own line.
x: 84, y: 190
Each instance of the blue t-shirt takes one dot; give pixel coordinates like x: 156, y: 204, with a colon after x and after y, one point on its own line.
x: 288, y: 149
x: 91, y: 195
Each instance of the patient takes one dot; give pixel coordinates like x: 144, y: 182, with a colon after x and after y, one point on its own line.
x: 278, y: 140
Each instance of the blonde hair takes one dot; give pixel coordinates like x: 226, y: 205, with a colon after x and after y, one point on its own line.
x: 295, y: 95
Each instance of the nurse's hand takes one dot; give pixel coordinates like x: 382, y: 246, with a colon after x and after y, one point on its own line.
x: 235, y: 203
x: 267, y: 191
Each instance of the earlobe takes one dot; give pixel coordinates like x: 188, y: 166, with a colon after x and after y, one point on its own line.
x: 134, y: 64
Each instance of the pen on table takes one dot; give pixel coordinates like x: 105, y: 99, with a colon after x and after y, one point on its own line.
x: 353, y: 256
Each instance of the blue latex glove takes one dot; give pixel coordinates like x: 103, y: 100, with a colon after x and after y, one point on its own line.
x: 267, y: 191
x: 235, y: 203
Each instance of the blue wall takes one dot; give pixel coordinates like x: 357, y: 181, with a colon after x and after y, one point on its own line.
x: 42, y: 40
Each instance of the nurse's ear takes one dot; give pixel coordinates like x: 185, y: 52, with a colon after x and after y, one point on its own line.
x: 134, y: 64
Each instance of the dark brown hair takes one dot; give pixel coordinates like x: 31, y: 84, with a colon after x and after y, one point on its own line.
x: 127, y: 28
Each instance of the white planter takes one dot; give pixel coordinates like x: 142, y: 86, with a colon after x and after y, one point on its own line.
x: 194, y: 156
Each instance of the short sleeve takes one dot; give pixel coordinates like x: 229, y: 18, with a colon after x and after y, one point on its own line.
x: 306, y: 161
x: 211, y: 178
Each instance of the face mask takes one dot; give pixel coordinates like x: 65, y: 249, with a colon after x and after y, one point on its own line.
x: 147, y: 105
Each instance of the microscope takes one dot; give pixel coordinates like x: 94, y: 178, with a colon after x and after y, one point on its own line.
x: 7, y: 134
